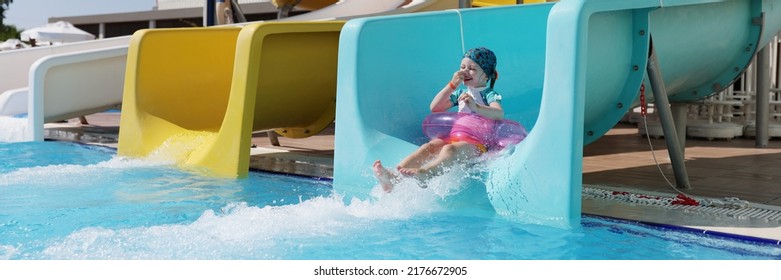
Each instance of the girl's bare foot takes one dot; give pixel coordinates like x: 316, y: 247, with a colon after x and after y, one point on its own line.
x: 383, y: 176
x: 419, y: 174
x: 409, y: 172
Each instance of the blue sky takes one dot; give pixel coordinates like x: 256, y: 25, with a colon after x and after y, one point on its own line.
x: 25, y: 14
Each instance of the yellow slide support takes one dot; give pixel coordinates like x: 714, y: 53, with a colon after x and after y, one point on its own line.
x: 195, y: 95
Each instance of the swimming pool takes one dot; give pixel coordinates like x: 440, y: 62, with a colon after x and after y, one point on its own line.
x: 62, y: 200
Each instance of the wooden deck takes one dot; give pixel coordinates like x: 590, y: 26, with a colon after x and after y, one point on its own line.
x: 716, y: 168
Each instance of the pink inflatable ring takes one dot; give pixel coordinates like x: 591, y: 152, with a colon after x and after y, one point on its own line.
x: 495, y: 135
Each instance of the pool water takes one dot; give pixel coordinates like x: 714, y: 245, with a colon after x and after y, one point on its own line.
x: 63, y: 200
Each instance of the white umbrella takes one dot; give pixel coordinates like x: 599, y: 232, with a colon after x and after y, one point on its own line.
x: 12, y: 44
x: 58, y: 32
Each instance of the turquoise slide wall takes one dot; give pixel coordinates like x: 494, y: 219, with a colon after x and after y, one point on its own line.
x: 568, y: 71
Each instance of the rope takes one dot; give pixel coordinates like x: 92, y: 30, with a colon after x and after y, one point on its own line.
x: 684, y: 199
x: 461, y: 26
x: 644, y: 113
x: 654, y: 200
x: 639, y: 199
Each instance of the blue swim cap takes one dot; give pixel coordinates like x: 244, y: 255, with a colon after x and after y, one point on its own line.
x: 486, y: 59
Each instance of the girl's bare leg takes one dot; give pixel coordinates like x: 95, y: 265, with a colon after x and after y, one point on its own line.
x: 423, y: 154
x: 448, y: 155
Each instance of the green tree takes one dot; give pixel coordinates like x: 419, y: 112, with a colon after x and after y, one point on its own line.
x: 10, y: 31
x: 4, y: 4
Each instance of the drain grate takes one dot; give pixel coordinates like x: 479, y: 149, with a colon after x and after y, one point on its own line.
x: 728, y: 207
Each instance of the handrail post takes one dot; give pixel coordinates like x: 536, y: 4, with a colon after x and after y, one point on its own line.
x: 763, y: 97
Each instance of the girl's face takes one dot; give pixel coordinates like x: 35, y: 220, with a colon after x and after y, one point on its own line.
x: 473, y: 74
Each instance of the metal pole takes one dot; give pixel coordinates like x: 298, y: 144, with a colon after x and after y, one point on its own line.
x: 662, y: 106
x: 464, y: 4
x: 680, y: 112
x: 776, y: 87
x: 209, y: 9
x: 763, y: 97
x: 238, y: 14
x: 101, y: 30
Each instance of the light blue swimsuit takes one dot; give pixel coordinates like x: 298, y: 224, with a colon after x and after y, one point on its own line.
x: 486, y: 97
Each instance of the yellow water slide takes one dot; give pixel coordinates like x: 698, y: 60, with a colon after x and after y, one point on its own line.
x: 197, y: 94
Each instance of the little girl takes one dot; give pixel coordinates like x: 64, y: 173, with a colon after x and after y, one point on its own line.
x: 478, y: 67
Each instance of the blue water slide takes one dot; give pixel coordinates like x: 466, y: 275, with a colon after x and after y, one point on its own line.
x: 568, y: 72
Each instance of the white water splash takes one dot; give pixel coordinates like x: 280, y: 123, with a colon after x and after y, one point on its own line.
x: 242, y: 231
x: 7, y: 251
x: 238, y: 230
x: 178, y: 148
x: 59, y: 173
x: 12, y: 129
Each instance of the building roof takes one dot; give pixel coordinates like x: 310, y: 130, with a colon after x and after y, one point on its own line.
x: 167, y: 14
x: 122, y: 24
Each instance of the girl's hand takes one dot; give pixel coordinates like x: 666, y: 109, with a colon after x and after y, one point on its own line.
x: 469, y: 101
x: 458, y: 77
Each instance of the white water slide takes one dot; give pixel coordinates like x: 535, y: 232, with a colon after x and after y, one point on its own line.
x: 53, y: 83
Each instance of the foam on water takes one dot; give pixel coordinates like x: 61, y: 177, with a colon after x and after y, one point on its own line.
x: 13, y: 130
x: 92, y: 204
x: 247, y: 226
x: 66, y: 173
x: 178, y: 148
x: 242, y: 231
x: 327, y: 228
